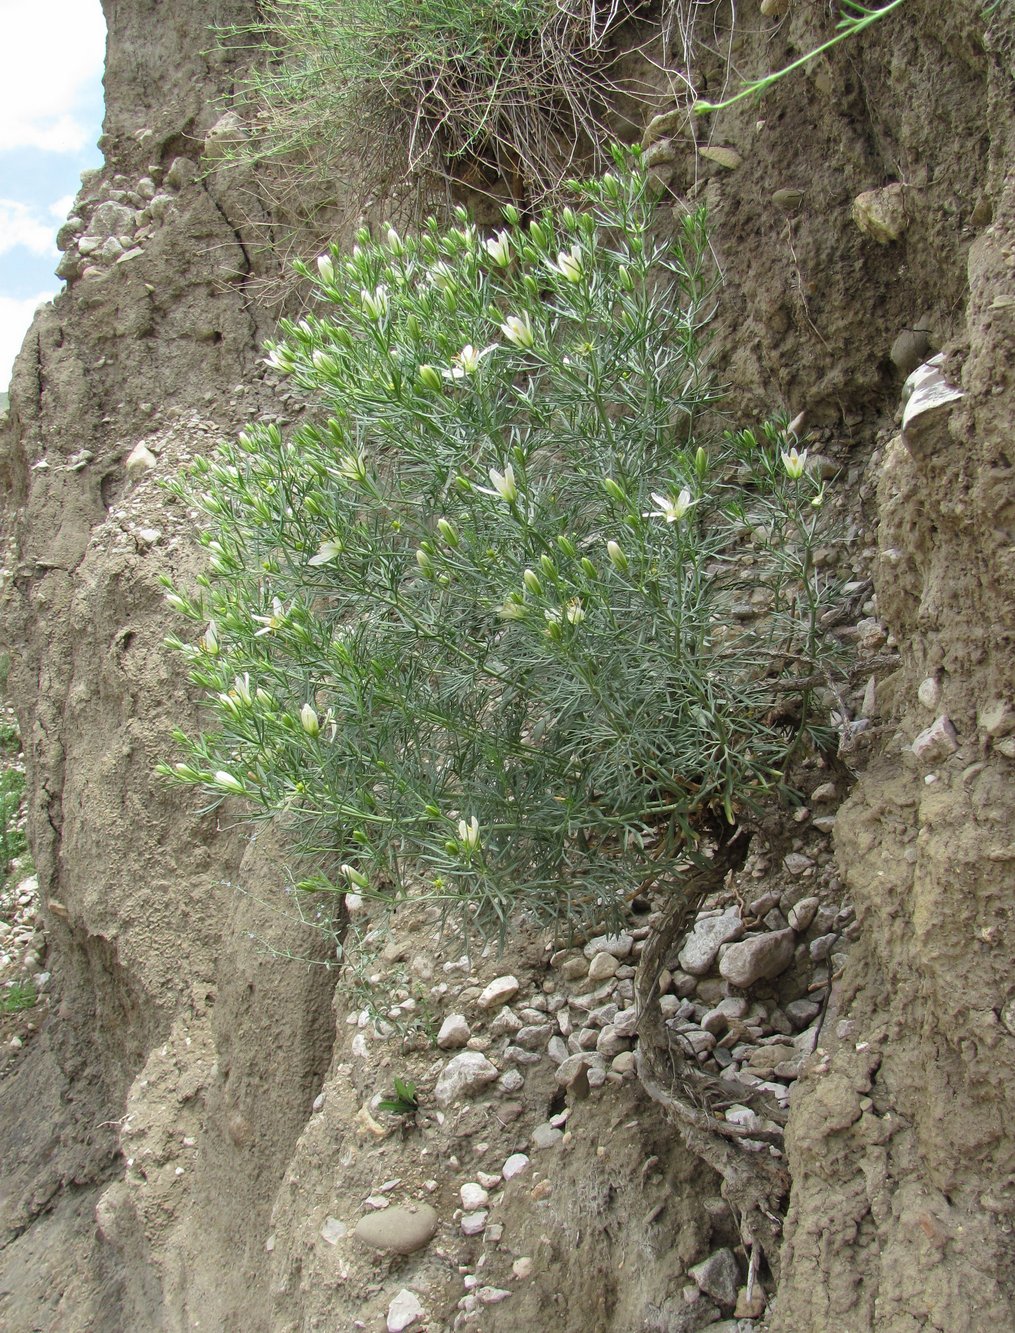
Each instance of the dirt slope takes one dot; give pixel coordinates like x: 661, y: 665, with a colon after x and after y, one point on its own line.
x: 185, y: 1143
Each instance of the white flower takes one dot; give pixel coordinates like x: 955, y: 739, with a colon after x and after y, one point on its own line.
x: 467, y: 362
x: 375, y: 303
x: 241, y: 688
x: 499, y: 249
x: 569, y: 264
x: 468, y: 833
x: 329, y: 550
x: 794, y: 463
x: 323, y: 361
x: 272, y: 622
x: 309, y: 720
x: 671, y: 510
x: 395, y: 243
x: 443, y: 276
x: 210, y: 640
x: 517, y: 329
x: 573, y: 612
x: 281, y: 359
x: 353, y: 876
x: 326, y: 269
x: 504, y: 484
x: 353, y: 467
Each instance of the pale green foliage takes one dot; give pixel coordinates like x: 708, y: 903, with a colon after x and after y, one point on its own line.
x: 496, y: 630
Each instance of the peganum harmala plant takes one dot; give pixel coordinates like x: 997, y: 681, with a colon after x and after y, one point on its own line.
x: 495, y: 629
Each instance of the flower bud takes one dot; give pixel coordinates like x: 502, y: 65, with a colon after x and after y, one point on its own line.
x: 588, y: 568
x: 567, y: 546
x: 429, y: 378
x: 615, y: 491
x: 531, y: 580
x: 547, y: 566
x: 353, y: 876
x: 227, y: 782
x: 448, y: 532
x: 617, y: 557
x: 700, y: 461
x: 326, y: 269
x: 309, y: 720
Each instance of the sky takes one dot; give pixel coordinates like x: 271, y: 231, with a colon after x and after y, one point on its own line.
x: 51, y: 56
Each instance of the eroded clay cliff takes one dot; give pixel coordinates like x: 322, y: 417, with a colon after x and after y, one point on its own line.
x: 185, y: 1142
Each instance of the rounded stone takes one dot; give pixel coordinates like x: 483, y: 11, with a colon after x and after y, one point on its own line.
x: 758, y: 958
x: 398, y: 1230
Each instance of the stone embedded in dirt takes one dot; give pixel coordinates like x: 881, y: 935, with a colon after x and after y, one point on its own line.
x: 909, y: 350
x: 610, y: 1043
x: 625, y: 1023
x: 474, y: 1224
x: 462, y: 1075
x: 996, y: 718
x: 404, y: 1311
x: 534, y: 1036
x: 499, y: 991
x: 758, y: 958
x: 398, y: 1230
x: 112, y: 220
x: 491, y: 1295
x: 721, y: 156
x: 510, y: 1081
x: 881, y: 214
x: 140, y: 459
x: 454, y: 1033
x: 473, y: 1196
x: 717, y: 1020
x: 506, y: 1024
x: 575, y: 1066
x: 333, y: 1230
x: 707, y: 937
x: 719, y: 1277
x: 788, y: 199
x: 796, y: 863
x: 821, y: 947
x: 801, y: 1012
x: 546, y: 1136
x: 826, y: 792
x: 516, y: 1165
x: 936, y: 742
x: 619, y: 946
x: 603, y: 966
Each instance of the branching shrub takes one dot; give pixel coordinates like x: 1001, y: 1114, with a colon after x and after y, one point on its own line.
x: 496, y: 629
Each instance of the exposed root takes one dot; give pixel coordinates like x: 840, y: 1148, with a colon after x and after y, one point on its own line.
x: 755, y: 1182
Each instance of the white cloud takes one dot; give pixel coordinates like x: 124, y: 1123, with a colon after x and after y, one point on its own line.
x: 15, y: 317
x: 41, y: 110
x: 21, y: 225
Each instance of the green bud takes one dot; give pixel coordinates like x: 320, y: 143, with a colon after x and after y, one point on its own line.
x: 624, y: 278
x: 588, y: 568
x: 448, y: 532
x: 511, y: 215
x: 429, y: 377
x: 531, y: 580
x: 700, y: 461
x: 614, y: 490
x: 618, y: 559
x: 547, y: 566
x: 567, y: 546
